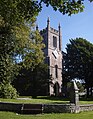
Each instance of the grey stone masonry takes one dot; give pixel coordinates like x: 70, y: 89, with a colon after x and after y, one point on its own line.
x: 52, y: 39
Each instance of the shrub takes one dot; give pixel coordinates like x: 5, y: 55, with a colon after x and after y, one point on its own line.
x: 7, y: 91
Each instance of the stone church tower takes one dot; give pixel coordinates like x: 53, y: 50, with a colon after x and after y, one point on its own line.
x: 53, y: 53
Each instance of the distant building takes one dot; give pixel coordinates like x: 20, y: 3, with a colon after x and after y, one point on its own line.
x: 52, y: 38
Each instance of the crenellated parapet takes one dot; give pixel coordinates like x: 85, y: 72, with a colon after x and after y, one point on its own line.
x: 54, y: 31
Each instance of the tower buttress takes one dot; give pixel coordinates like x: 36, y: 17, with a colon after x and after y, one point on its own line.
x: 48, y: 23
x: 48, y: 32
x: 60, y: 38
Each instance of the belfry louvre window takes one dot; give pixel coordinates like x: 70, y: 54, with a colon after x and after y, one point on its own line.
x: 54, y: 41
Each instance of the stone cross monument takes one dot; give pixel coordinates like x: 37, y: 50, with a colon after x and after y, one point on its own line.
x: 74, y: 93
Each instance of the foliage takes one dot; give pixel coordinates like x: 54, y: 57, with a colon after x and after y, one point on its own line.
x: 7, y: 91
x: 7, y: 67
x: 33, y: 54
x: 32, y: 81
x: 40, y: 80
x: 15, y: 12
x: 16, y: 25
x: 78, y: 61
x: 7, y: 47
x: 66, y: 6
x: 80, y: 86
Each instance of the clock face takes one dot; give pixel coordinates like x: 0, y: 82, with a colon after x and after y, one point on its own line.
x: 55, y: 53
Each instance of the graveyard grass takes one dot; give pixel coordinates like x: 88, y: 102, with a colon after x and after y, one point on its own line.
x: 11, y: 115
x: 44, y: 100
x: 39, y: 99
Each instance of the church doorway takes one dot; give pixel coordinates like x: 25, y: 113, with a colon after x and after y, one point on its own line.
x: 56, y: 89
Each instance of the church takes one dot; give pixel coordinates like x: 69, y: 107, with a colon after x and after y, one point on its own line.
x: 52, y: 39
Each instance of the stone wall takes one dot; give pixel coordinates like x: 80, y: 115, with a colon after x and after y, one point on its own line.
x: 59, y: 108
x: 88, y: 107
x: 48, y: 108
x: 13, y: 107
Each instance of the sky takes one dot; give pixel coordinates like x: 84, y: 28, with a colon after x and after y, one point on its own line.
x: 75, y: 26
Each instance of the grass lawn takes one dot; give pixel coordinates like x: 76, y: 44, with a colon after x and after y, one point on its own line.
x: 44, y: 100
x: 83, y: 115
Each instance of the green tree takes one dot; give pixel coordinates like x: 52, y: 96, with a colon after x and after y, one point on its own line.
x: 79, y: 62
x: 33, y: 82
x: 6, y: 62
x: 17, y: 38
x: 19, y: 42
x: 14, y: 12
x: 66, y: 6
